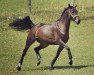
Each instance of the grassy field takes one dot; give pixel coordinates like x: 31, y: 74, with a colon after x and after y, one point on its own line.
x: 46, y: 11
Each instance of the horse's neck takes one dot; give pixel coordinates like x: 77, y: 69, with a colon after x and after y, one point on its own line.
x: 64, y: 23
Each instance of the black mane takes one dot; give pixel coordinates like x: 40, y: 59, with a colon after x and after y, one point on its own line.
x: 62, y: 13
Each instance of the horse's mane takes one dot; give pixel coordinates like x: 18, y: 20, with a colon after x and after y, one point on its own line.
x: 63, y: 13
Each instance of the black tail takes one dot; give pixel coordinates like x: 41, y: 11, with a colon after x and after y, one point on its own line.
x: 22, y: 24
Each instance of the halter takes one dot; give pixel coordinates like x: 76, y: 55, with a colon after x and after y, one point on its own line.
x: 73, y: 16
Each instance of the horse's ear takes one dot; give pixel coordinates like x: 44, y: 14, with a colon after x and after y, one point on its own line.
x: 69, y: 5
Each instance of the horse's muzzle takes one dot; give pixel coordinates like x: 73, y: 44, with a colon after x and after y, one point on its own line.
x: 77, y: 19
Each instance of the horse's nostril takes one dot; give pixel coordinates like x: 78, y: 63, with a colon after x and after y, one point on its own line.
x: 79, y: 21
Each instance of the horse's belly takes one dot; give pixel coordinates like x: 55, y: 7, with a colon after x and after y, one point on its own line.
x: 47, y: 41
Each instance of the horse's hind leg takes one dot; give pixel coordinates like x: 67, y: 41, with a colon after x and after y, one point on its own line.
x: 29, y: 41
x: 37, y: 49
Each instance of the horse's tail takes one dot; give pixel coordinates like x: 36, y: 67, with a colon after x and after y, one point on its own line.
x: 22, y: 24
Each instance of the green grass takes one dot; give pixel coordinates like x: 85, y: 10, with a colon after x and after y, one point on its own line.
x: 46, y: 11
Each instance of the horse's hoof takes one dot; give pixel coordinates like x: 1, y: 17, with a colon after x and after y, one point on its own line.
x: 51, y: 68
x: 70, y: 62
x: 38, y: 63
x: 18, y: 68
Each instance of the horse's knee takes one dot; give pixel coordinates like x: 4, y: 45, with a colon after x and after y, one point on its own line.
x: 67, y: 48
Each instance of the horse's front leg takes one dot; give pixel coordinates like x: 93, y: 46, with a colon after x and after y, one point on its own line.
x: 70, y: 56
x: 69, y: 52
x: 56, y: 56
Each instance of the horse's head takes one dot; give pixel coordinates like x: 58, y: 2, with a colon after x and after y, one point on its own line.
x: 74, y: 13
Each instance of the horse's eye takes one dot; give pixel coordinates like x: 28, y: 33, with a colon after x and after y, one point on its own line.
x: 72, y: 11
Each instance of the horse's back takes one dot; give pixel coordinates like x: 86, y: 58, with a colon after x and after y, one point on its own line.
x: 44, y: 31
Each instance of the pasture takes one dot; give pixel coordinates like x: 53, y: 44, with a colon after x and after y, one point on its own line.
x: 46, y: 11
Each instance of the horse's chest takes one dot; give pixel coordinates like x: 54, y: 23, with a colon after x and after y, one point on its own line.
x: 65, y: 37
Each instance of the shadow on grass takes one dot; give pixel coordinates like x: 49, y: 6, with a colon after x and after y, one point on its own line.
x: 59, y: 67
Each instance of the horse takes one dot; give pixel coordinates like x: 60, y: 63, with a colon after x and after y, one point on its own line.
x: 56, y: 33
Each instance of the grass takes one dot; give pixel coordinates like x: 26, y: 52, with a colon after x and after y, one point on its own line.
x: 12, y: 42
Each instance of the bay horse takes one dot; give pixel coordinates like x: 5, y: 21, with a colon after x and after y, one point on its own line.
x: 56, y: 33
